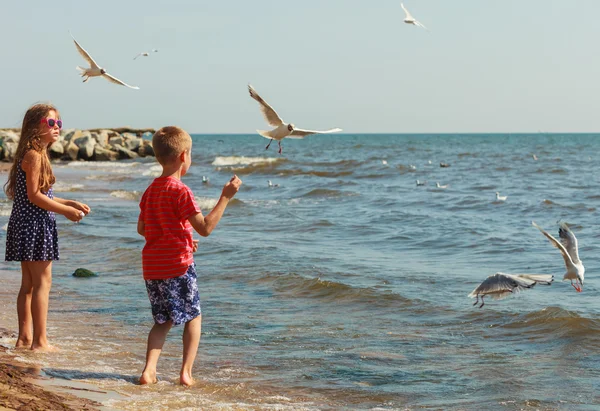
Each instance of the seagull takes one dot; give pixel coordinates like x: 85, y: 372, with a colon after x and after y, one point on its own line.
x: 271, y: 184
x: 568, y: 248
x: 384, y: 162
x: 281, y: 130
x: 409, y: 19
x: 95, y: 70
x: 438, y: 185
x: 204, y: 180
x: 534, y: 157
x: 444, y: 165
x: 412, y: 167
x: 500, y: 198
x: 421, y: 183
x: 145, y: 53
x: 501, y: 285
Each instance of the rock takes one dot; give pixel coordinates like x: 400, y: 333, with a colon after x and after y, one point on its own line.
x: 133, y: 143
x: 86, y: 144
x: 124, y: 153
x: 118, y: 140
x: 101, y: 137
x: 72, y: 151
x: 146, y: 149
x: 9, y: 149
x: 84, y: 273
x: 103, y: 154
x: 11, y: 136
x: 56, y: 150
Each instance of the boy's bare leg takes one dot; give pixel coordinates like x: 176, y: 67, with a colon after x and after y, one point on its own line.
x: 156, y: 340
x: 25, y: 337
x: 41, y: 279
x: 191, y: 339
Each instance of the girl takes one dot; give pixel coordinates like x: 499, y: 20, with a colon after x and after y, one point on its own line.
x: 31, y: 236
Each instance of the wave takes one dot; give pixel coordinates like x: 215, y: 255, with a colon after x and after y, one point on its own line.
x: 332, y: 291
x: 65, y: 187
x: 127, y: 195
x: 102, y: 164
x: 325, y: 192
x: 207, y: 203
x: 552, y: 322
x: 244, y: 161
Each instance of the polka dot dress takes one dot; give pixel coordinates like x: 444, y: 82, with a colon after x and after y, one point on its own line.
x: 31, y: 234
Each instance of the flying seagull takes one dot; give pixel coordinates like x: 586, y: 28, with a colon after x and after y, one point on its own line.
x: 409, y: 19
x: 95, y: 70
x: 568, y: 248
x: 145, y: 53
x: 501, y: 285
x: 281, y: 130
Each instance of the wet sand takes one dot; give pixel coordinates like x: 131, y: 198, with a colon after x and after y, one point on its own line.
x: 24, y: 386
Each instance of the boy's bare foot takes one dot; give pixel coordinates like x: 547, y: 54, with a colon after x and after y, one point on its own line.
x: 186, y: 380
x: 148, y: 378
x: 44, y: 348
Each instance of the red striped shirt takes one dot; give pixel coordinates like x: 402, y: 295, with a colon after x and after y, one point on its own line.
x: 165, y: 208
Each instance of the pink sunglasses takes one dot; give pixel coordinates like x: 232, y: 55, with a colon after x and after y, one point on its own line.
x: 51, y: 122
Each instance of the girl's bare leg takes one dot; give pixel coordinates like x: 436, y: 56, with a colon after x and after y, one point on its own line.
x: 191, y: 339
x: 156, y: 340
x: 41, y: 278
x: 25, y: 337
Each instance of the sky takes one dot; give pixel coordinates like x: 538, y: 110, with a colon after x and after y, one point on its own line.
x: 485, y: 65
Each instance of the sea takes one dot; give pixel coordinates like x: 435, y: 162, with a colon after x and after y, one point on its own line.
x: 342, y: 284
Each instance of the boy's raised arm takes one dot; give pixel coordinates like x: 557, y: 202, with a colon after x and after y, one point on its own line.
x: 205, y: 225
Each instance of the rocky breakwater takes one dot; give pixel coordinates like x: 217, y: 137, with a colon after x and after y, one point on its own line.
x: 89, y: 145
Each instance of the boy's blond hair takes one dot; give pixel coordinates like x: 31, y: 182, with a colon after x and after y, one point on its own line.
x: 169, y: 142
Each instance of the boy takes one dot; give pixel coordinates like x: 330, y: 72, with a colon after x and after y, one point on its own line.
x: 168, y: 212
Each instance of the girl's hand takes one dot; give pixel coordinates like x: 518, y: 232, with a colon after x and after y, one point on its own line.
x: 74, y: 214
x: 80, y: 206
x: 194, y: 246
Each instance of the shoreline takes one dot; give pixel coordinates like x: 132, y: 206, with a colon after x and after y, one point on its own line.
x: 25, y: 385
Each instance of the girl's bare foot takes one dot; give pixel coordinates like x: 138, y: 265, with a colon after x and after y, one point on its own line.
x: 44, y: 348
x: 22, y: 344
x: 186, y: 380
x: 148, y: 378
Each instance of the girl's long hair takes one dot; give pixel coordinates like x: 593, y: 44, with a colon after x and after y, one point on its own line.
x: 31, y: 130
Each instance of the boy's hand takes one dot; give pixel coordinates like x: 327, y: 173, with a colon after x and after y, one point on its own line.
x: 194, y: 245
x: 231, y: 187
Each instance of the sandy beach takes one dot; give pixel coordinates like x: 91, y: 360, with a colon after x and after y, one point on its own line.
x: 24, y: 385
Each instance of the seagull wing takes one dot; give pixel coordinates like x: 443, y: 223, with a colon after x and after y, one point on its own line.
x: 85, y: 54
x: 500, y: 285
x: 117, y: 81
x: 557, y: 244
x: 408, y: 15
x: 300, y: 133
x: 418, y: 23
x: 569, y: 241
x: 141, y: 54
x: 269, y: 113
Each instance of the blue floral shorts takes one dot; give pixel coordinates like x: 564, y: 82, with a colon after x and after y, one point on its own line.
x: 176, y: 299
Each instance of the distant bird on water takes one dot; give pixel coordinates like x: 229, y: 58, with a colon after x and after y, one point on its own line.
x: 438, y: 185
x: 271, y: 185
x: 205, y: 180
x: 281, y: 130
x: 409, y: 19
x: 146, y: 53
x: 501, y: 285
x: 95, y: 70
x: 499, y: 197
x: 444, y: 165
x: 421, y: 183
